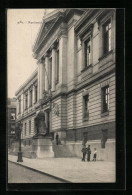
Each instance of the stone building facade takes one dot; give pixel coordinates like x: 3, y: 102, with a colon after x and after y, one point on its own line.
x: 11, y: 120
x: 74, y: 83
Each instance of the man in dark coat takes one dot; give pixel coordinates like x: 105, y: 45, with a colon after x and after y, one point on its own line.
x: 84, y: 151
x: 88, y: 153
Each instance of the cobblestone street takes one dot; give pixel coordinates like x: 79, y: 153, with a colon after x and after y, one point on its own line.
x: 72, y: 169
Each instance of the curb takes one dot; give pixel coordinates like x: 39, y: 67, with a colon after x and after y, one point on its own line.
x: 41, y: 172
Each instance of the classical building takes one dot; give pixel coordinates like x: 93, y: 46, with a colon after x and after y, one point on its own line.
x: 11, y: 120
x: 71, y: 95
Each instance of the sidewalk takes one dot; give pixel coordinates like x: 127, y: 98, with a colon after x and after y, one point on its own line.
x: 72, y: 169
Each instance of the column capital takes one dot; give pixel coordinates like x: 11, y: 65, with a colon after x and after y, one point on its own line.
x: 53, y: 47
x: 46, y: 55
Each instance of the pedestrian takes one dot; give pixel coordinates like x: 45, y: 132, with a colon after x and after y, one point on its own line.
x: 88, y: 153
x: 84, y: 151
x: 95, y: 154
x: 57, y: 139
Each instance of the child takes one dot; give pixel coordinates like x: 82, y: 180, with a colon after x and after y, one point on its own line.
x: 84, y: 151
x: 88, y: 153
x: 95, y: 154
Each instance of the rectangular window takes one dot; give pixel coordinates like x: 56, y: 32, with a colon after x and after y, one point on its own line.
x: 57, y: 66
x: 87, y: 51
x: 36, y: 92
x: 105, y: 99
x: 86, y: 113
x: 31, y: 92
x: 29, y: 127
x: 107, y: 36
x: 25, y: 128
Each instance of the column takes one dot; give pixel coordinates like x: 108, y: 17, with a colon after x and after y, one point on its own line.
x: 53, y: 68
x: 33, y: 94
x: 17, y: 107
x: 38, y: 81
x: 41, y: 78
x: 28, y: 98
x: 63, y: 59
x: 22, y: 103
x: 46, y: 72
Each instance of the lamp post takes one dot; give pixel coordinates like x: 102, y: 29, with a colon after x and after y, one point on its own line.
x: 19, y: 129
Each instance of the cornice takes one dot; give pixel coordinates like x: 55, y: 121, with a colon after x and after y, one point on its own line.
x: 26, y: 82
x: 57, y: 21
x: 85, y: 17
x: 88, y: 28
x: 47, y: 18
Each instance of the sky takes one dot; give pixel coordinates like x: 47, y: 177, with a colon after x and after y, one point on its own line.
x: 22, y: 28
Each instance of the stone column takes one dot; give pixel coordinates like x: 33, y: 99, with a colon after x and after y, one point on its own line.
x: 46, y: 72
x: 33, y: 94
x: 53, y: 68
x: 17, y: 107
x: 41, y: 82
x: 22, y: 103
x: 63, y: 59
x: 38, y: 81
x: 28, y: 98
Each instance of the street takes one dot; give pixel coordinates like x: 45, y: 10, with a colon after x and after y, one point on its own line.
x: 71, y: 169
x: 19, y: 174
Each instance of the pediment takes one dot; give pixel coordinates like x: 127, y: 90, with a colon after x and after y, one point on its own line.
x: 47, y: 23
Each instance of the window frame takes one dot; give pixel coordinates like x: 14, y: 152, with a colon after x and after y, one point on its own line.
x: 85, y: 113
x: 107, y: 23
x: 103, y: 111
x: 87, y: 60
x: 101, y: 22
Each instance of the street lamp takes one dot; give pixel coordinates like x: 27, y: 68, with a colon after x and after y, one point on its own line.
x: 19, y: 129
